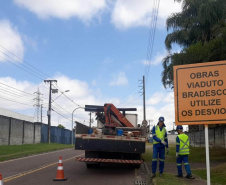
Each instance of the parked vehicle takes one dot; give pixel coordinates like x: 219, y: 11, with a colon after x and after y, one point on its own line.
x: 116, y: 139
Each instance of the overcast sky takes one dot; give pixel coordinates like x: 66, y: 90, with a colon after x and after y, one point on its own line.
x: 96, y: 49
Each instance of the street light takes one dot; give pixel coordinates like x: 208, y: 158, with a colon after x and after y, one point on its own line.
x: 72, y: 123
x: 60, y: 95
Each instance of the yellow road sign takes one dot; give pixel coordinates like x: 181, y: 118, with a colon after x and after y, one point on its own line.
x: 200, y: 93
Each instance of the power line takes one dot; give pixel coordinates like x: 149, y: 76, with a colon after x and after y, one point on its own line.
x: 21, y: 68
x: 16, y: 89
x: 30, y: 71
x: 61, y: 114
x: 46, y: 76
x: 15, y: 95
x: 56, y: 86
x: 152, y: 36
x: 129, y: 92
x: 16, y: 101
x: 128, y: 99
x: 55, y: 108
x: 132, y: 101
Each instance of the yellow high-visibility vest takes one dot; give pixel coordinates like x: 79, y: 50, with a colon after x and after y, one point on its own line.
x: 159, y: 134
x: 184, y: 144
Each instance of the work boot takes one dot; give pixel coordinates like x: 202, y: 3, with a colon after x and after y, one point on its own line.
x: 179, y: 176
x: 153, y: 176
x: 189, y: 177
x: 160, y: 174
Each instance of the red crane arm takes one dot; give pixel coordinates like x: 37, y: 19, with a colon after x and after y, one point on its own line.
x: 108, y: 107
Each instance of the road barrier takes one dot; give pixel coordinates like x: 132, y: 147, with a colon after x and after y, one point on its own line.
x: 1, y: 181
x: 60, y: 171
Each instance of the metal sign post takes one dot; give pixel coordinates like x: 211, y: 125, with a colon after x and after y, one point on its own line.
x: 207, y: 154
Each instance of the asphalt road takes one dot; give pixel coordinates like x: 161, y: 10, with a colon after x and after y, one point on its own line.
x: 41, y: 170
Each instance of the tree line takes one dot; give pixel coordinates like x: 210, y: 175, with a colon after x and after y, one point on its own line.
x: 199, y: 30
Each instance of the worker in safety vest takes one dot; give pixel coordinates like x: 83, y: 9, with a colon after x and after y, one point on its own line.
x: 182, y: 152
x: 160, y: 141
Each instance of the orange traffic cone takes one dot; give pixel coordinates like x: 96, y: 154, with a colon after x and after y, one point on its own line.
x: 1, y: 181
x: 60, y: 171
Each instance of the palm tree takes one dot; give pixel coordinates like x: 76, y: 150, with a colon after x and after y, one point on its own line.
x: 199, y: 21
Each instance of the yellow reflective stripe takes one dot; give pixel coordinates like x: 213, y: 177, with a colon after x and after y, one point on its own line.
x: 162, y: 160
x: 178, y: 164
x: 183, y: 152
x: 154, y: 159
x: 178, y: 143
x: 186, y: 163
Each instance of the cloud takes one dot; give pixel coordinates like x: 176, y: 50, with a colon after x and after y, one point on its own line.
x: 80, y: 94
x: 31, y: 42
x: 155, y: 98
x: 9, y: 94
x: 134, y: 13
x: 157, y: 60
x: 119, y: 79
x: 11, y: 40
x: 94, y: 83
x: 83, y: 10
x: 169, y: 98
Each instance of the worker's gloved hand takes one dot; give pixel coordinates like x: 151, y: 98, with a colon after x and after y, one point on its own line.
x: 163, y: 142
x: 176, y: 154
x: 167, y: 152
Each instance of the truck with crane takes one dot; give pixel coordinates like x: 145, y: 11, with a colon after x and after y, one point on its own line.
x: 118, y: 139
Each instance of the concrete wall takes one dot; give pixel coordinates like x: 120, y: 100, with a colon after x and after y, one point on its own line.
x: 38, y: 132
x: 4, y: 130
x: 28, y: 133
x: 171, y: 139
x: 18, y: 132
x: 217, y: 137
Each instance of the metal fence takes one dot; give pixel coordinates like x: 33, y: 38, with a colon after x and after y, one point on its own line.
x: 217, y: 137
x: 58, y: 135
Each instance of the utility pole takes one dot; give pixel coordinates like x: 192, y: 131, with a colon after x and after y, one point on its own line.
x: 49, y: 109
x: 144, y: 98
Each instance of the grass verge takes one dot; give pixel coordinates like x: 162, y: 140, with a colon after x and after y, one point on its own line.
x: 168, y: 179
x: 217, y: 174
x: 197, y: 154
x: 16, y: 151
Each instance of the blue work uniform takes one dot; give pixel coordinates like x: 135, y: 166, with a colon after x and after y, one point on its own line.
x: 182, y: 148
x: 158, y: 149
